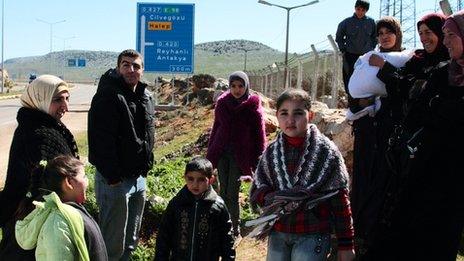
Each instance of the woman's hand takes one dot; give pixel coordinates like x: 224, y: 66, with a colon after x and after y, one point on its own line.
x: 376, y: 60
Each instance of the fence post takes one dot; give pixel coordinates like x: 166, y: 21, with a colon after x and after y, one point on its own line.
x: 278, y: 84
x: 300, y: 75
x: 271, y: 74
x: 324, y: 73
x: 172, y: 87
x: 316, y: 73
x: 335, y: 74
x: 155, y: 91
x: 265, y: 83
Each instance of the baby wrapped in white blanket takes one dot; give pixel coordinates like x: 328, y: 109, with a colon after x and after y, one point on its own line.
x: 364, y: 82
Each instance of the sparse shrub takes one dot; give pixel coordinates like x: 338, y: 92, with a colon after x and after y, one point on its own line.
x: 91, y: 202
x: 145, y: 250
x: 201, y: 81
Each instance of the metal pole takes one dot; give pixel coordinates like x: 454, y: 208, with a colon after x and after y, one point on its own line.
x: 334, y: 92
x: 64, y: 54
x: 3, y: 42
x: 244, y: 66
x: 51, y: 47
x: 300, y: 75
x: 286, y: 49
x: 51, y: 39
x: 64, y: 58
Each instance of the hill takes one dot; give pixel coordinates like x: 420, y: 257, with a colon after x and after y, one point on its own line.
x: 217, y: 58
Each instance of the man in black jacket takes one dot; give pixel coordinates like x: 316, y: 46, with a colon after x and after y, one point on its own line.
x: 121, y: 138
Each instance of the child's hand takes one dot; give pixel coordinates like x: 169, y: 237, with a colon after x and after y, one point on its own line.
x: 345, y: 255
x: 376, y: 60
x: 245, y: 179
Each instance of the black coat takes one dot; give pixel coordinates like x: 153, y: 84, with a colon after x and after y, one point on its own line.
x: 201, y: 229
x: 429, y: 217
x: 371, y: 173
x: 434, y: 200
x: 121, y: 129
x: 37, y: 137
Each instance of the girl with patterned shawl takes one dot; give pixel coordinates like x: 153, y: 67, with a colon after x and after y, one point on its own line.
x: 301, y: 184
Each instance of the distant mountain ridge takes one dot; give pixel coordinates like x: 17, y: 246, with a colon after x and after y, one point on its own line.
x: 217, y: 58
x: 233, y: 46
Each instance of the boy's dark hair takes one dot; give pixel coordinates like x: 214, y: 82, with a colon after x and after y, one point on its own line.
x: 47, y: 177
x: 294, y: 94
x: 129, y: 53
x: 363, y: 4
x: 201, y: 165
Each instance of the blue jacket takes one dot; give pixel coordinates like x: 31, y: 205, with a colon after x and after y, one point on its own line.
x: 356, y: 36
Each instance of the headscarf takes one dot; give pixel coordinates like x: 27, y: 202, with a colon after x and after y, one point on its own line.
x: 435, y: 22
x: 39, y: 93
x: 392, y: 24
x: 455, y: 23
x: 242, y: 77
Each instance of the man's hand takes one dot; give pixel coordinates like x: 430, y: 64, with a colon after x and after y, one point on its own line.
x: 376, y: 60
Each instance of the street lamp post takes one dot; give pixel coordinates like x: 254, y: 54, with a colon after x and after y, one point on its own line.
x: 244, y: 66
x: 51, y: 38
x: 3, y: 42
x: 288, y: 26
x: 64, y: 53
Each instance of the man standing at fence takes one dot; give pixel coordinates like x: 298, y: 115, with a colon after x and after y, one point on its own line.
x: 355, y: 36
x: 121, y: 138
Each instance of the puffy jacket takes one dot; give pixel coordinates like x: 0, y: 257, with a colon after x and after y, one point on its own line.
x: 121, y: 129
x: 55, y: 229
x: 195, y: 229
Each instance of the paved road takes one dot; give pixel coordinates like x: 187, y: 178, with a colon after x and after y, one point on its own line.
x: 75, y: 119
x: 80, y: 97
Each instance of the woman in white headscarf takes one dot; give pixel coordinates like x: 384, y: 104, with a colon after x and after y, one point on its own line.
x: 40, y: 135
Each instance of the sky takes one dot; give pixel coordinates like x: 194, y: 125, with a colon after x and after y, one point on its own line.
x: 110, y: 25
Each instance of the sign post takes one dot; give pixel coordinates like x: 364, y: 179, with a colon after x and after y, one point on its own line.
x: 165, y: 37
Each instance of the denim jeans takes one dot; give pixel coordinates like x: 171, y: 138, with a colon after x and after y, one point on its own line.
x: 297, y: 247
x: 229, y: 187
x: 121, y: 210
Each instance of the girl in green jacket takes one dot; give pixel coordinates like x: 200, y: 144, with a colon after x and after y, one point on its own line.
x: 52, y: 220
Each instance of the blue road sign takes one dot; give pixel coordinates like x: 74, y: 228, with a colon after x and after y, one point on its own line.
x: 81, y: 62
x: 165, y: 37
x: 72, y: 63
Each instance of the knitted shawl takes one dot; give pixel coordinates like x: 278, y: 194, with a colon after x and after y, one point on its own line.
x: 321, y: 168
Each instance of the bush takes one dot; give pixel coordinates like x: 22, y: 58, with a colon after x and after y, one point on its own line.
x: 91, y: 202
